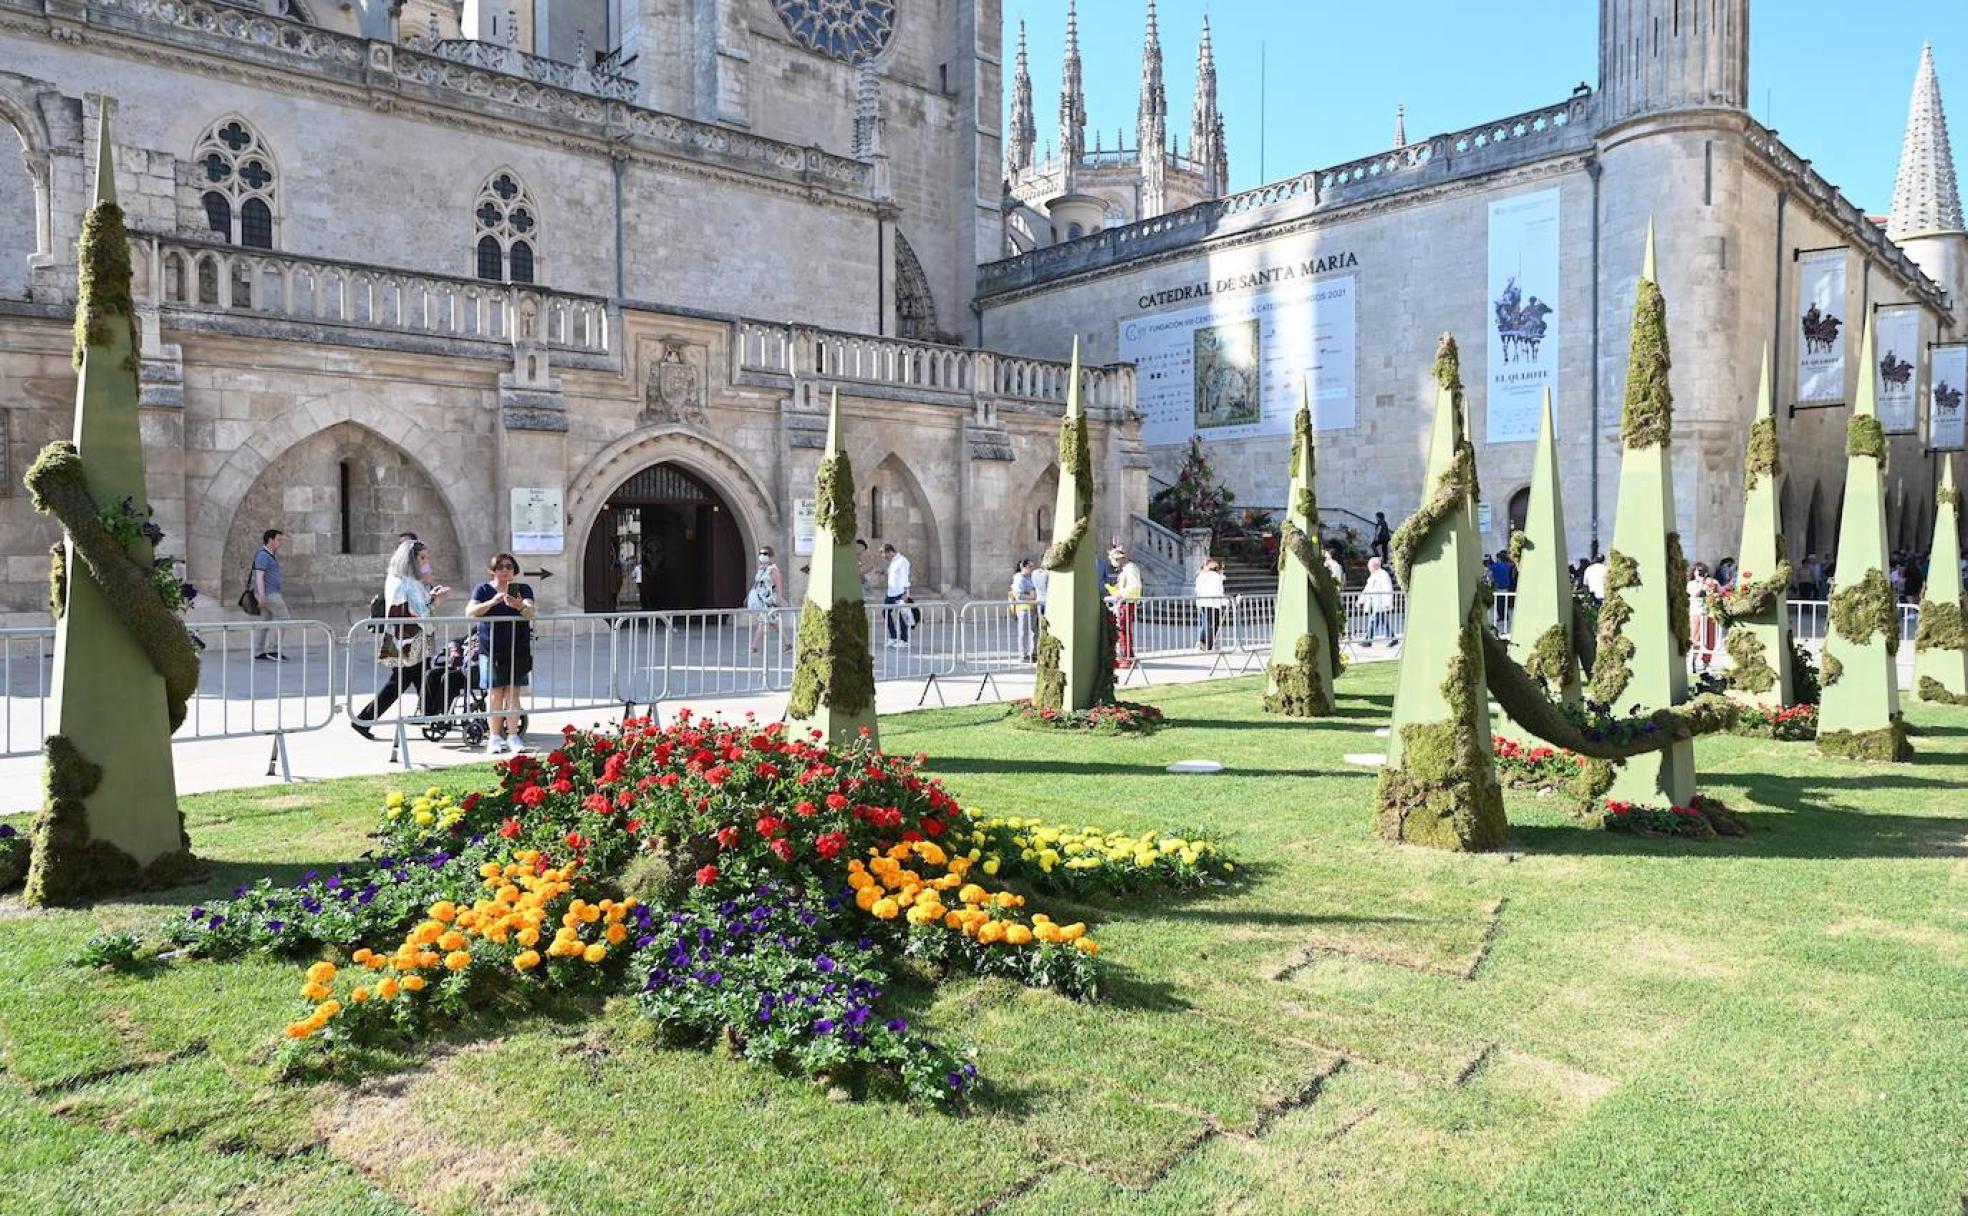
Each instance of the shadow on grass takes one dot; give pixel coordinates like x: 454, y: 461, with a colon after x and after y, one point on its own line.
x: 951, y: 765
x: 1810, y: 834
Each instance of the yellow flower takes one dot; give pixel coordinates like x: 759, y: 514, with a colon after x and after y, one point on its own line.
x: 453, y: 940
x: 315, y: 992
x: 526, y: 960
x: 528, y: 936
x: 616, y: 933
x: 433, y: 792
x: 444, y: 910
x: 413, y: 983
x: 321, y: 973
x: 595, y: 953
x: 328, y: 1009
x: 359, y: 995
x: 886, y: 908
x: 424, y: 819
x: 1018, y: 935
x: 457, y: 960
x: 395, y: 799
x: 388, y: 989
x: 991, y: 866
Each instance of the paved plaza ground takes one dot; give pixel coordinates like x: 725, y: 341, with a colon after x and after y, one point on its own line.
x: 1585, y: 1022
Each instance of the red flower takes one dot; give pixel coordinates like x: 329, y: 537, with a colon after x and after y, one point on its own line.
x: 598, y: 803
x: 532, y: 795
x: 563, y: 786
x: 830, y: 844
x: 782, y: 847
x: 727, y: 837
x: 766, y: 771
x: 470, y: 803
x: 557, y: 758
x: 836, y: 801
x: 805, y: 808
x: 576, y: 842
x: 632, y: 826
x: 625, y: 800
x: 933, y: 827
x: 510, y: 828
x: 769, y: 826
x: 718, y: 775
x: 707, y: 876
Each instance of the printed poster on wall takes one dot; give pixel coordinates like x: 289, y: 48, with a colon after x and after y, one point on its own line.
x: 1821, y: 328
x: 1232, y: 368
x: 1523, y: 323
x: 1949, y: 371
x: 1896, y: 338
x: 536, y: 520
x: 804, y: 526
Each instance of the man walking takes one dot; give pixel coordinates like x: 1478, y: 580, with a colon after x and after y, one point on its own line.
x: 267, y: 586
x: 1383, y: 537
x: 897, y: 594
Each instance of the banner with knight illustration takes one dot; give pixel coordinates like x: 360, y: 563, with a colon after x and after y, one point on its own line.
x: 1948, y: 370
x: 1523, y: 320
x: 1896, y: 339
x: 1821, y: 326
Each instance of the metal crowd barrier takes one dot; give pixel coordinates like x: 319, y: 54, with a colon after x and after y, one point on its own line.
x: 704, y: 653
x: 27, y: 668
x: 916, y: 642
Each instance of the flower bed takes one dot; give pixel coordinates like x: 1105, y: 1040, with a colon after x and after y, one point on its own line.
x: 1537, y: 766
x: 1702, y: 819
x: 1119, y: 718
x: 747, y: 887
x: 1791, y: 724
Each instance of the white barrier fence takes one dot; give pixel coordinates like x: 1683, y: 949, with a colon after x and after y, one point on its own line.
x: 622, y: 662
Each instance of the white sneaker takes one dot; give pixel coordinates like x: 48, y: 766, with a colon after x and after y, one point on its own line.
x: 901, y: 645
x: 890, y: 643
x: 498, y: 744
x: 517, y: 743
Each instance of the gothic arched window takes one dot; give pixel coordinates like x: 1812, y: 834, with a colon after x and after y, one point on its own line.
x: 508, y: 230
x: 853, y: 30
x: 915, y: 306
x: 236, y: 178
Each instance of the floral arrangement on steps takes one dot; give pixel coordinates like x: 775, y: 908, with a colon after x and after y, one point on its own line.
x: 1702, y: 819
x: 746, y: 888
x: 1534, y: 766
x: 1113, y: 718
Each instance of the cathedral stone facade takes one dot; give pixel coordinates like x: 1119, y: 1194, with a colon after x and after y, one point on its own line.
x: 573, y: 284
x: 1665, y: 138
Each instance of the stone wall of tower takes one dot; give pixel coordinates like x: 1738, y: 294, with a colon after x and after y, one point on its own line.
x: 1672, y: 54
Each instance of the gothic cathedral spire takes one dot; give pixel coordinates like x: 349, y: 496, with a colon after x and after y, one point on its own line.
x: 1400, y: 126
x: 1151, y: 123
x: 1072, y: 102
x: 1206, y: 122
x: 1024, y: 127
x: 1927, y: 197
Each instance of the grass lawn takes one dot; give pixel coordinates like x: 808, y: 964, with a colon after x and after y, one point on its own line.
x: 1589, y: 1023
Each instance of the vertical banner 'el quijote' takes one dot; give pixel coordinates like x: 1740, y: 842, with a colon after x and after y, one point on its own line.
x: 1896, y: 338
x: 1523, y: 322
x: 1821, y: 326
x: 1949, y: 373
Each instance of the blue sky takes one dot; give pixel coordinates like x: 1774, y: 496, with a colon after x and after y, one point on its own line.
x: 1833, y: 81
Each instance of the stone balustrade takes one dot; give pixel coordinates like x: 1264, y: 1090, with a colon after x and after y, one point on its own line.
x: 920, y: 370
x: 191, y: 276
x: 514, y: 62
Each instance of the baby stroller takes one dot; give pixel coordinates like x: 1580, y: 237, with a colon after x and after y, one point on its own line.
x: 455, y: 690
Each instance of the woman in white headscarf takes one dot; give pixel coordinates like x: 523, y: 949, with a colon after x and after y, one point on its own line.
x: 405, y: 647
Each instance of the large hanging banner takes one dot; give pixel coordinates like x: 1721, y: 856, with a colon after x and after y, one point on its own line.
x: 1821, y: 321
x: 1949, y: 370
x: 1523, y: 323
x: 1897, y: 339
x: 1231, y: 369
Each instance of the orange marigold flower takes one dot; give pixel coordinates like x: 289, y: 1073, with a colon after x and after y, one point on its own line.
x: 413, y: 983
x: 595, y: 953
x: 457, y: 960
x: 526, y: 960
x: 443, y: 910
x: 388, y: 989
x: 321, y: 973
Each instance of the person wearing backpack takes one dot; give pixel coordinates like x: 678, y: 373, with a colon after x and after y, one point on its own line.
x: 404, y: 650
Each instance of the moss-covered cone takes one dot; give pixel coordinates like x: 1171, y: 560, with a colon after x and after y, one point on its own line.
x: 1441, y: 789
x: 833, y: 688
x: 1940, y: 647
x: 1309, y: 616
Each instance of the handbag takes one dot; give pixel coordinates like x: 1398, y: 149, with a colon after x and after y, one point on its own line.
x: 249, y: 600
x: 402, y: 645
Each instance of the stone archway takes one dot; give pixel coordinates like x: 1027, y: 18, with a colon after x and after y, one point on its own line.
x: 26, y: 195
x: 477, y: 530
x: 664, y: 541
x: 754, y: 518
x: 894, y: 510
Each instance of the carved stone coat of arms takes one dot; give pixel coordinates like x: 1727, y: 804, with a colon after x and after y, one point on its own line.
x: 673, y: 388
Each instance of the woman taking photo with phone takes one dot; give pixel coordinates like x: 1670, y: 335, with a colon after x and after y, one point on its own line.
x: 405, y: 646
x: 504, y: 611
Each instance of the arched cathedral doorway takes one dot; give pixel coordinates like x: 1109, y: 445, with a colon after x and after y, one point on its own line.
x: 677, y: 533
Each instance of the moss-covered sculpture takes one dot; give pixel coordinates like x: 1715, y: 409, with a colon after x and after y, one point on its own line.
x: 1756, y: 611
x: 1541, y: 627
x: 1940, y: 646
x: 1075, y: 670
x: 1643, y: 629
x: 1439, y: 785
x: 1310, y: 618
x: 833, y: 669
x: 1859, y: 713
x: 124, y: 666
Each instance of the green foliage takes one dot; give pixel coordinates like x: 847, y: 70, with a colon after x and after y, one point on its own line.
x: 1444, y: 793
x: 1551, y: 659
x: 1611, y: 672
x: 1940, y: 627
x: 1750, y: 671
x: 1866, y: 436
x: 1887, y: 745
x: 832, y: 664
x: 1830, y: 670
x: 1294, y: 545
x: 1678, y: 607
x: 15, y: 855
x: 1947, y: 497
x: 1113, y: 718
x: 1049, y: 675
x: 1930, y: 690
x: 1750, y: 598
x: 1455, y: 488
x: 1804, y: 687
x: 60, y: 488
x: 70, y: 866
x: 1520, y: 543
x: 1060, y: 554
x: 1864, y: 608
x: 1762, y: 459
x: 833, y: 506
x: 103, y: 282
x: 1296, y: 689
x: 57, y: 580
x: 115, y: 951
x: 1647, y: 416
x: 1198, y: 499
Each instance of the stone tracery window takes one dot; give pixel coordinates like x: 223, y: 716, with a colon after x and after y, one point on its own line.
x: 852, y: 30
x: 237, y: 179
x: 507, y: 229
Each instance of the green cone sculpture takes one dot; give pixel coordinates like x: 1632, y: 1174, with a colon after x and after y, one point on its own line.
x: 124, y: 666
x: 1305, y: 637
x: 1643, y: 627
x: 1541, y: 627
x: 833, y: 669
x: 1757, y: 611
x: 1439, y: 785
x: 1859, y: 708
x: 1076, y: 642
x: 1940, y: 649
